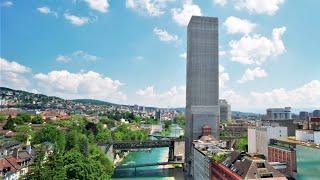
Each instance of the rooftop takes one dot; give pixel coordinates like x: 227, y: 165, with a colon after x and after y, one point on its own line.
x: 292, y: 140
x: 251, y: 166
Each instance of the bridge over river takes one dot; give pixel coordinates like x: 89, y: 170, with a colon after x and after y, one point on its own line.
x: 175, y: 145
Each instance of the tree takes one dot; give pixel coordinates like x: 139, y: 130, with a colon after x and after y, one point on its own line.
x: 83, y: 144
x: 37, y: 120
x: 104, y: 136
x: 92, y: 127
x: 242, y: 144
x: 79, y: 167
x: 10, y: 124
x: 23, y: 133
x: 219, y: 157
x: 36, y: 169
x: 25, y: 117
x: 50, y: 134
x: 98, y: 155
x: 2, y: 117
x: 18, y: 120
x: 71, y: 140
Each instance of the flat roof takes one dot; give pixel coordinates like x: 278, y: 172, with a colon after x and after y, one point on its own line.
x: 292, y: 140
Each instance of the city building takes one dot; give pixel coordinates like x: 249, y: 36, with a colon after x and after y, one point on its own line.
x: 239, y: 166
x: 235, y: 130
x: 303, y: 116
x: 202, y: 102
x: 203, y: 151
x: 301, y: 158
x: 259, y: 138
x: 279, y: 113
x: 314, y: 123
x: 279, y: 152
x: 316, y: 113
x: 225, y: 110
x: 14, y: 160
x: 307, y: 135
x: 158, y: 115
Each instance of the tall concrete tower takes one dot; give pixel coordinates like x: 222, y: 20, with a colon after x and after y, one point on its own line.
x: 202, y: 103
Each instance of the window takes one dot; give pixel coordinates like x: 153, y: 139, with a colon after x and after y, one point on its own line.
x: 260, y: 165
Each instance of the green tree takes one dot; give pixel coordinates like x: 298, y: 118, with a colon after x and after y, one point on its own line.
x: 37, y: 120
x: 18, y: 120
x: 103, y: 136
x: 10, y: 125
x: 219, y: 157
x: 36, y: 169
x: 97, y: 154
x: 79, y: 167
x: 25, y: 117
x: 2, y: 117
x: 242, y: 144
x: 23, y: 133
x: 83, y: 144
x: 50, y: 134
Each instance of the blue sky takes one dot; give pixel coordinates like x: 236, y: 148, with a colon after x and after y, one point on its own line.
x: 131, y: 51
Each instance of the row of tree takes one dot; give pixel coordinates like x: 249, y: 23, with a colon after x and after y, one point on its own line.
x: 76, y: 154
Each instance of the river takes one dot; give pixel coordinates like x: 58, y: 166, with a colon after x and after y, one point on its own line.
x: 150, y: 156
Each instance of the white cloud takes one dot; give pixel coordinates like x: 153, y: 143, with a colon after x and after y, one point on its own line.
x: 163, y: 35
x: 80, y: 85
x: 183, y: 16
x: 223, y: 77
x: 76, y: 20
x: 6, y: 4
x: 62, y: 58
x: 86, y: 56
x: 305, y: 96
x: 13, y: 74
x: 237, y: 25
x: 139, y: 58
x: 255, y: 49
x: 251, y: 74
x: 79, y: 56
x: 222, y: 53
x: 269, y: 7
x: 98, y: 5
x: 174, y: 97
x: 220, y: 2
x: 183, y: 55
x: 47, y: 10
x: 149, y: 7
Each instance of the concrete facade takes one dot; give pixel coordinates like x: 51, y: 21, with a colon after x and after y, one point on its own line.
x: 202, y: 166
x: 262, y: 136
x: 225, y: 110
x: 279, y: 113
x: 202, y: 94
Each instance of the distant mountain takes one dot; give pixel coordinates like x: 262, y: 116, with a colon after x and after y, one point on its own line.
x: 92, y: 102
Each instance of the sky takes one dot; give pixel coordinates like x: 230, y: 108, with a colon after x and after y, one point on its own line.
x: 134, y: 51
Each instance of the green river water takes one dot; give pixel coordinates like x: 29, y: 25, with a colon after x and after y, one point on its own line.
x: 150, y: 156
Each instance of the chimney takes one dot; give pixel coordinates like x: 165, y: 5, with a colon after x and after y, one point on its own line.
x: 15, y: 152
x: 206, y: 130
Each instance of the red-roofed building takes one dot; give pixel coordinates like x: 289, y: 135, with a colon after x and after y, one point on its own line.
x: 15, y: 165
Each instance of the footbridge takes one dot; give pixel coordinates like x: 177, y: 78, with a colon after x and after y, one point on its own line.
x: 175, y: 145
x: 149, y: 164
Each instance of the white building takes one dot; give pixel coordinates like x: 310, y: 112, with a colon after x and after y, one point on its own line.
x: 259, y: 138
x: 308, y: 136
